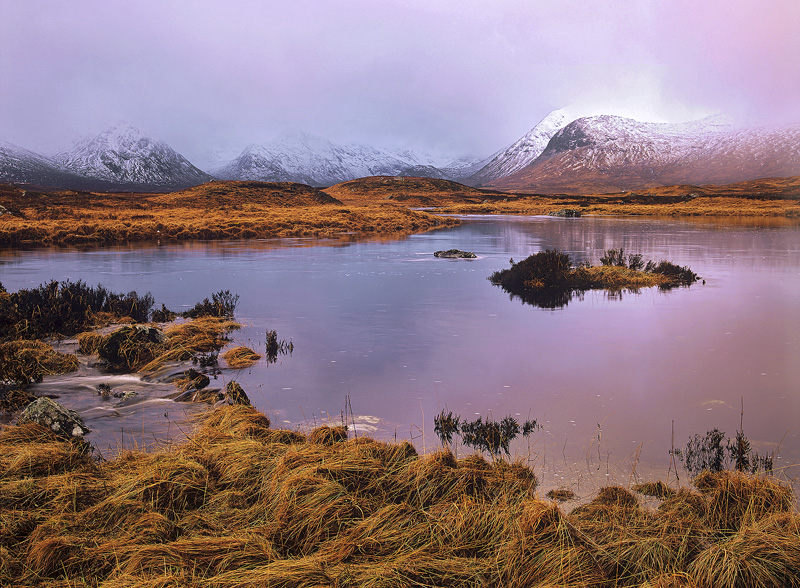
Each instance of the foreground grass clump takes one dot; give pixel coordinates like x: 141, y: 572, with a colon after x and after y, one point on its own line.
x: 23, y: 362
x: 242, y: 504
x: 548, y: 278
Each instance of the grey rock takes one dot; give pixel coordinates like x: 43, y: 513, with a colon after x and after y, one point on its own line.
x: 63, y: 421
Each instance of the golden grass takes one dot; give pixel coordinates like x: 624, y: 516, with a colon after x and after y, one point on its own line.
x: 218, y: 210
x: 89, y: 342
x: 722, y: 206
x: 616, y: 278
x: 240, y: 357
x: 241, y: 504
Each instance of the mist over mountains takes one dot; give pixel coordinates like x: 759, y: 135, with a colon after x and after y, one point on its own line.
x: 562, y: 153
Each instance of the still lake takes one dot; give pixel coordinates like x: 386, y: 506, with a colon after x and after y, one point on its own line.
x: 386, y: 330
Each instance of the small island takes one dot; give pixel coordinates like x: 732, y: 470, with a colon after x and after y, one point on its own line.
x: 455, y: 254
x: 549, y: 278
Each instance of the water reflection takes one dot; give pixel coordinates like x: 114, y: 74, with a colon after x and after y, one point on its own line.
x: 404, y: 335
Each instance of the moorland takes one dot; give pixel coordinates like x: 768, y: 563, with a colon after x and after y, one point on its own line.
x: 241, y: 503
x: 364, y: 207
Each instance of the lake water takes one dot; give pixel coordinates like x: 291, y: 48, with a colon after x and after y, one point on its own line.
x: 386, y: 331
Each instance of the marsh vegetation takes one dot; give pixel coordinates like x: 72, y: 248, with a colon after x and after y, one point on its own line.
x: 549, y: 278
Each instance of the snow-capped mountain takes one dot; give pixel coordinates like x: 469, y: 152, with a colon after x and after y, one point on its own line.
x: 611, y: 153
x: 125, y: 157
x: 22, y: 166
x: 300, y: 157
x: 523, y: 151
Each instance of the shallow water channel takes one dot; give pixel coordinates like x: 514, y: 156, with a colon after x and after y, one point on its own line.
x: 387, y: 332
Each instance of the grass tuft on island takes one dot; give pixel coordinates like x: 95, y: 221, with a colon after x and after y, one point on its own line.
x: 552, y: 271
x: 242, y: 504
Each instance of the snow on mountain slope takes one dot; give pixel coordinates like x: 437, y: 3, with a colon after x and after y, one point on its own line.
x: 22, y: 166
x: 523, y: 151
x: 610, y: 153
x: 126, y: 157
x: 301, y: 157
x: 312, y: 160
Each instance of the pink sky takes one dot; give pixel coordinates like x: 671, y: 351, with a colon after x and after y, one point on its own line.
x: 463, y: 76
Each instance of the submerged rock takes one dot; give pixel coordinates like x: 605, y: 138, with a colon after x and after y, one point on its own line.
x: 455, y: 254
x: 208, y: 395
x: 566, y: 213
x: 62, y: 421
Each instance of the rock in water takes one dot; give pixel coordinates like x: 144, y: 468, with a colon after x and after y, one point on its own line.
x: 455, y: 254
x: 62, y: 421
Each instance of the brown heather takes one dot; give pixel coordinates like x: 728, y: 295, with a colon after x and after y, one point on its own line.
x: 242, y: 504
x: 216, y: 210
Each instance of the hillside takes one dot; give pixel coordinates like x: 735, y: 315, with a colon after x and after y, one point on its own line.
x: 410, y: 191
x: 212, y: 211
x: 233, y: 193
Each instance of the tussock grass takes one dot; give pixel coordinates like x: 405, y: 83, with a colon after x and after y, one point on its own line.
x: 242, y: 504
x: 240, y: 357
x: 656, y: 489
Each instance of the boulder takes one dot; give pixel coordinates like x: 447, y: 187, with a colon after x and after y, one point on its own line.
x: 455, y: 254
x: 62, y: 421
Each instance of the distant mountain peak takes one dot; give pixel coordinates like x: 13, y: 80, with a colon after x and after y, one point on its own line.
x: 525, y: 149
x: 612, y: 153
x: 123, y: 155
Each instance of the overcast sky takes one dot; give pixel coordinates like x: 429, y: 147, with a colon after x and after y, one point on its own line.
x: 457, y: 76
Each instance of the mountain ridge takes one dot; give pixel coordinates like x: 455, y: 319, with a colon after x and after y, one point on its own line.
x: 609, y: 154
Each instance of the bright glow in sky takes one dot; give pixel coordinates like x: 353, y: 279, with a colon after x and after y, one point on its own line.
x: 456, y: 76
